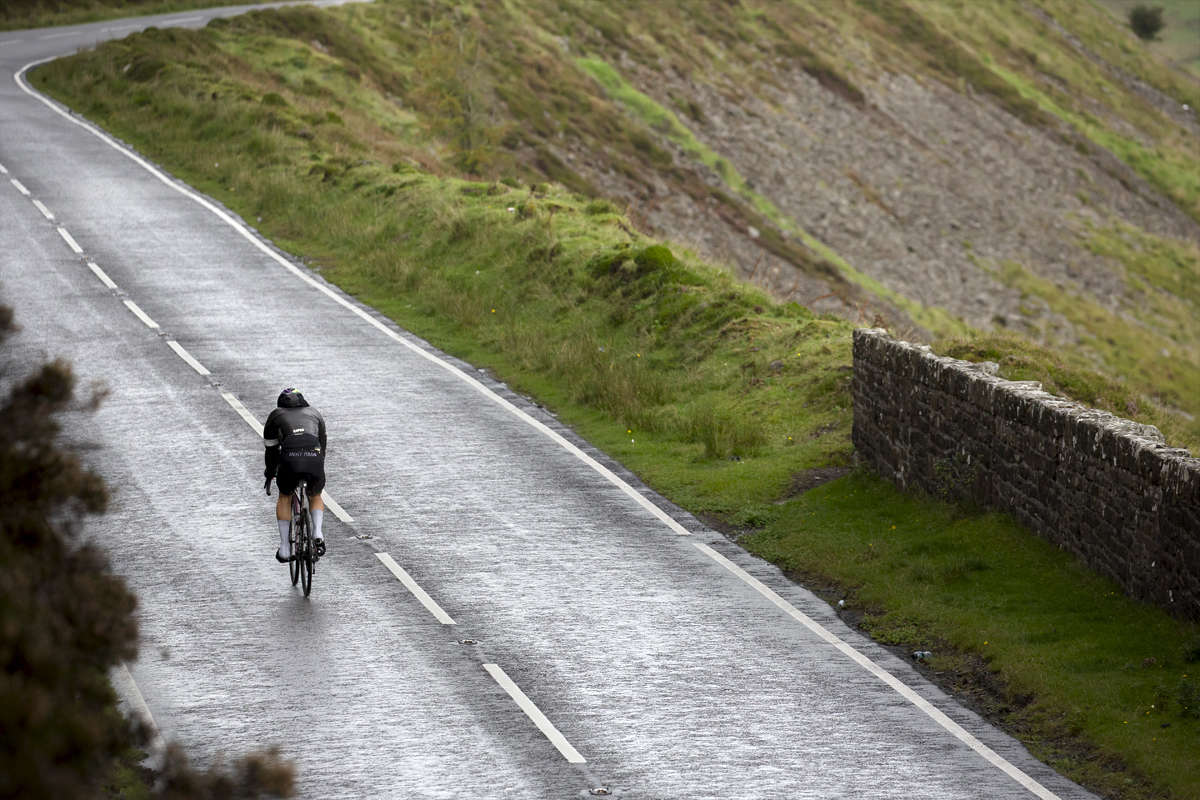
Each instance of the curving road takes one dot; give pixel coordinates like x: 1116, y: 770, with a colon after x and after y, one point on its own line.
x: 617, y: 643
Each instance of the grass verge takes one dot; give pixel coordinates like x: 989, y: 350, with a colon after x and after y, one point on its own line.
x: 720, y: 399
x: 1098, y: 686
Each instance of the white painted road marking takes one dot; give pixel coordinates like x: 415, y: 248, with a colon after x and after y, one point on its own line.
x: 257, y: 427
x: 186, y: 356
x: 535, y: 714
x: 416, y: 590
x: 59, y: 35
x: 74, y: 245
x: 246, y: 415
x: 128, y: 689
x: 167, y: 22
x: 10, y: 41
x: 891, y: 680
x: 337, y: 510
x: 3, y: 169
x: 132, y: 306
x: 45, y: 211
x: 633, y: 494
x: 20, y: 186
x: 107, y: 281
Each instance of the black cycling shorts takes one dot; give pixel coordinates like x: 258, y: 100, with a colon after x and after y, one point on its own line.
x: 297, y: 464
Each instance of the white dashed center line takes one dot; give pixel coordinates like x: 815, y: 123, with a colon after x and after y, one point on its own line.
x: 74, y: 245
x: 59, y: 35
x: 534, y: 713
x: 132, y: 306
x: 416, y: 590
x: 3, y: 169
x: 107, y: 281
x: 186, y: 356
x: 20, y: 186
x: 337, y: 510
x: 45, y: 211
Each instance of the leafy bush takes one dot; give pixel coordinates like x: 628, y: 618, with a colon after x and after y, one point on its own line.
x: 1146, y: 21
x: 65, y: 619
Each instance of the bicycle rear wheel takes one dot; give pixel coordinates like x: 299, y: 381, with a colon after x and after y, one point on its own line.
x: 306, y: 554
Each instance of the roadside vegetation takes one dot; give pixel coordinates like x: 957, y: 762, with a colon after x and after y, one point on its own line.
x: 407, y: 157
x: 21, y: 14
x: 66, y: 619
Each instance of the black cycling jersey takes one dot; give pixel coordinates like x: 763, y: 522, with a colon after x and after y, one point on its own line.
x: 290, y: 430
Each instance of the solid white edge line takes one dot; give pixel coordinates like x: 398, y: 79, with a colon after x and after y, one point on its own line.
x: 534, y: 713
x: 128, y: 689
x: 450, y: 368
x: 416, y: 590
x: 42, y: 208
x: 257, y: 427
x: 20, y: 186
x: 186, y: 356
x: 107, y: 281
x: 132, y: 306
x: 891, y: 680
x: 69, y: 239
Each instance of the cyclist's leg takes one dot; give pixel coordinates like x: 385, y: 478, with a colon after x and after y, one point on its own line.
x: 316, y: 504
x: 285, y: 481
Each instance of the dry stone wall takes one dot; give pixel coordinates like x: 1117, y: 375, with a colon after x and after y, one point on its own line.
x: 1107, y: 489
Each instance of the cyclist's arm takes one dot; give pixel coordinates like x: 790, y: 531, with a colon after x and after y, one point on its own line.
x: 271, y: 442
x: 321, y: 432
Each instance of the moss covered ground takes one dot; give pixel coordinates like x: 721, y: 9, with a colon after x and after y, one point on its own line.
x: 379, y: 142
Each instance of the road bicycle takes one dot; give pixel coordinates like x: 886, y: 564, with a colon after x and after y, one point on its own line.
x: 300, y: 537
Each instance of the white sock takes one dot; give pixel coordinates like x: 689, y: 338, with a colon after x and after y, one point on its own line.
x: 317, y: 515
x: 285, y: 549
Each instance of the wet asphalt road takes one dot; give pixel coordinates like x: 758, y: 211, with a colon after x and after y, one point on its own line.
x: 670, y: 674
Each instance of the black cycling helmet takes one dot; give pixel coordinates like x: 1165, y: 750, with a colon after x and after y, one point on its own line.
x: 291, y: 398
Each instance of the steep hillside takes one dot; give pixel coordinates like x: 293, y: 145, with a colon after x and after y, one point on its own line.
x: 937, y: 166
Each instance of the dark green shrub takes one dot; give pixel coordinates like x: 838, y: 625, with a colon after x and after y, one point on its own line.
x: 1146, y: 21
x: 144, y: 67
x: 601, y: 206
x: 274, y: 99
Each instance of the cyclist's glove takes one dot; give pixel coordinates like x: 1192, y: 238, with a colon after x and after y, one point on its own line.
x: 267, y: 485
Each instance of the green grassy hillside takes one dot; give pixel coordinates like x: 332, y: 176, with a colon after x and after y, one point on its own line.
x: 462, y: 168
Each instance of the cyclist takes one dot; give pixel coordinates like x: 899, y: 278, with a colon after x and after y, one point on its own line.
x: 295, y: 440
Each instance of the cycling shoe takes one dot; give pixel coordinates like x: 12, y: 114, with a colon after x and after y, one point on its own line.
x: 320, y: 547
x: 283, y: 560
